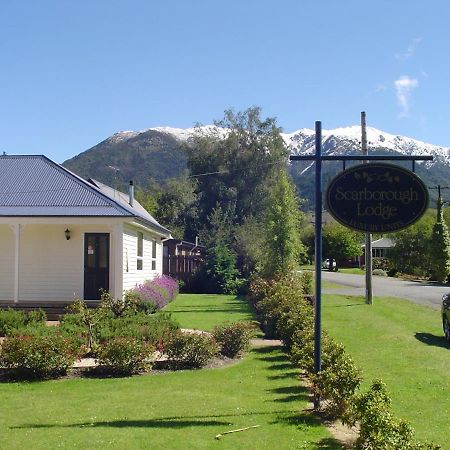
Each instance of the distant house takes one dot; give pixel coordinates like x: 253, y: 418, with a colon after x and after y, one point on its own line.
x: 380, y: 249
x: 62, y: 237
x: 181, y: 258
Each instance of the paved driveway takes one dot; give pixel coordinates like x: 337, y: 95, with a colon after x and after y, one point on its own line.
x: 421, y: 292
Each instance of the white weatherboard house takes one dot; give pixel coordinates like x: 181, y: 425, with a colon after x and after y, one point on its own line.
x: 62, y: 237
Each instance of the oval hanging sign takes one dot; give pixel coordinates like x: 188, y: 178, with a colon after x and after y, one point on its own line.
x: 377, y: 198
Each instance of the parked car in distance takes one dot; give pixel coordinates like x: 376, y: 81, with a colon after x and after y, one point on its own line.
x: 326, y: 264
x: 446, y: 315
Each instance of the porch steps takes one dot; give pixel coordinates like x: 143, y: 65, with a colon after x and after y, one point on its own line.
x: 53, y: 310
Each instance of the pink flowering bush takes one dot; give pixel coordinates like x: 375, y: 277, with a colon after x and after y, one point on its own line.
x: 159, y: 291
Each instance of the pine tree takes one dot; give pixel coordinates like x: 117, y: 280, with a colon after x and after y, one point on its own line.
x: 440, y: 247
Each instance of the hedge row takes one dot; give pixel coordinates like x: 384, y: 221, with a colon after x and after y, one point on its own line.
x: 285, y: 312
x: 121, y: 337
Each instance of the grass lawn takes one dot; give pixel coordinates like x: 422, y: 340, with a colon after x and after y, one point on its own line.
x: 402, y: 344
x: 205, y: 311
x: 176, y: 410
x: 170, y: 410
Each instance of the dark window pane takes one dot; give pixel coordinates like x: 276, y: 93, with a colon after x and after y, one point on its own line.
x: 140, y: 244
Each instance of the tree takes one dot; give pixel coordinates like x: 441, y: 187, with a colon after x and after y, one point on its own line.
x: 440, y: 247
x: 283, y: 219
x: 236, y: 163
x: 176, y: 207
x: 340, y: 243
x: 411, y: 253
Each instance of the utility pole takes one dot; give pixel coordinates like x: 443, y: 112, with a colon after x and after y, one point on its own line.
x: 368, y: 246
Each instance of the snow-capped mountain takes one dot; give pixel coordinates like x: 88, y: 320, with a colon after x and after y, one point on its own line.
x: 302, y: 141
x: 348, y: 140
x: 155, y: 154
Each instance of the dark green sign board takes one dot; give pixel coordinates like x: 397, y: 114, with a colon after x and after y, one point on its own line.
x: 377, y: 198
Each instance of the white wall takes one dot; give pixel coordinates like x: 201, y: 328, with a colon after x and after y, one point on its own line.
x: 132, y: 276
x: 49, y: 264
x: 7, y: 252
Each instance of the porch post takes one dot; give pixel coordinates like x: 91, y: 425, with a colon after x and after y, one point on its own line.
x: 17, y: 230
x: 116, y: 284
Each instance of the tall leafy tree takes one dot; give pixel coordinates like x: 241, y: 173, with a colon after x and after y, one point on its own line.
x: 411, y: 253
x: 440, y: 247
x: 236, y: 162
x: 340, y: 243
x: 284, y: 248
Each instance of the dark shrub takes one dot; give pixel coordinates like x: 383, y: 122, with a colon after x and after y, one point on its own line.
x: 233, y: 338
x: 190, y: 350
x: 219, y: 273
x: 125, y: 355
x: 38, y: 357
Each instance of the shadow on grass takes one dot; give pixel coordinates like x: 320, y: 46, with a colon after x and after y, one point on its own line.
x: 295, y: 393
x: 431, y: 339
x: 162, y: 422
x: 305, y: 421
x: 210, y: 310
x: 282, y: 376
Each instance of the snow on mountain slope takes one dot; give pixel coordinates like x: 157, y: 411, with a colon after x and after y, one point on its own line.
x: 341, y: 140
x: 302, y: 141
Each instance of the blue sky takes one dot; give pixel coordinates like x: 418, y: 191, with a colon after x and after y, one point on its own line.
x: 75, y: 72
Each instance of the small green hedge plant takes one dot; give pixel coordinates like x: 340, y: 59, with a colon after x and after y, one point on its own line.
x: 233, y: 338
x: 12, y: 319
x: 190, y: 350
x: 38, y: 357
x: 125, y: 356
x: 379, y: 429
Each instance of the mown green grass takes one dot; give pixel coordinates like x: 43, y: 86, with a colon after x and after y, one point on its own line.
x: 205, y: 311
x: 402, y: 344
x: 176, y: 410
x: 170, y: 410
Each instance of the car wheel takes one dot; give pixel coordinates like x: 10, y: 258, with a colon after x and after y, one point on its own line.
x: 446, y: 326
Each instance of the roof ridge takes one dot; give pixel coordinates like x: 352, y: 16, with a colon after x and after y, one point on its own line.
x: 84, y: 183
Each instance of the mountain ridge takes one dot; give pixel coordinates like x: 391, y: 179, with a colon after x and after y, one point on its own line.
x: 155, y: 154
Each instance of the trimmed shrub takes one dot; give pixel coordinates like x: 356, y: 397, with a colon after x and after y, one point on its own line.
x: 233, y: 338
x: 281, y: 296
x: 125, y: 356
x: 378, y: 428
x: 12, y: 319
x: 381, y: 263
x: 190, y: 350
x: 380, y: 272
x: 38, y: 357
x: 153, y: 329
x: 337, y: 382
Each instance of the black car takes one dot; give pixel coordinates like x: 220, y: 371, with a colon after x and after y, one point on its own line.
x: 446, y: 316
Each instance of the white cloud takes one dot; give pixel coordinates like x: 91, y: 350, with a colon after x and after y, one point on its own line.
x: 411, y: 49
x: 403, y: 88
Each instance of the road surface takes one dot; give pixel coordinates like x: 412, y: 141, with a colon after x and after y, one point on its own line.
x: 421, y: 292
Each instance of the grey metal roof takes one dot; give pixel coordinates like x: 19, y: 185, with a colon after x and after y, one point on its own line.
x: 382, y: 243
x: 33, y: 185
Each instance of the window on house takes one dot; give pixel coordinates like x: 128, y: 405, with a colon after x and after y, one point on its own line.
x: 154, y: 254
x: 140, y: 251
